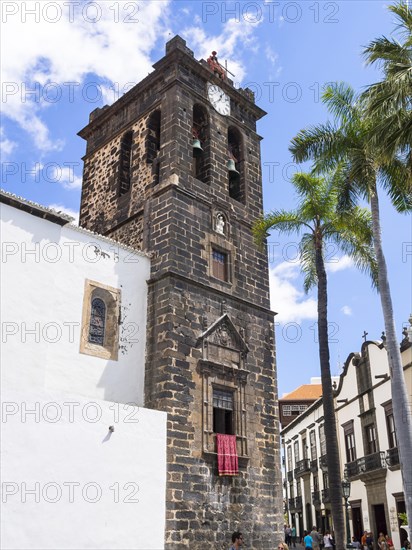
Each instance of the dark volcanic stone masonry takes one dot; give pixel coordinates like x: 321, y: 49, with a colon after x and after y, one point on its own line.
x: 207, y: 331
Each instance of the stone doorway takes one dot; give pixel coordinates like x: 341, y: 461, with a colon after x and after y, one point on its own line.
x: 357, y: 524
x: 380, y: 520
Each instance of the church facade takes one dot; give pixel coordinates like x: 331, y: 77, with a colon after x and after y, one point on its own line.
x: 173, y: 168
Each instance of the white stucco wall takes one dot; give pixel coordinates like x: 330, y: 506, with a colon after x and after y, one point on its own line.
x: 297, y: 429
x: 350, y: 411
x: 348, y: 408
x: 93, y: 488
x: 69, y: 483
x: 44, y: 268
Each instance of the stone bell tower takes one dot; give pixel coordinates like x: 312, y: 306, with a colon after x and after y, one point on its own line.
x: 173, y: 167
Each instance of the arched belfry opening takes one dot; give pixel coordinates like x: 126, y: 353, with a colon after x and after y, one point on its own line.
x: 200, y: 143
x: 125, y: 165
x: 235, y: 164
x: 153, y: 143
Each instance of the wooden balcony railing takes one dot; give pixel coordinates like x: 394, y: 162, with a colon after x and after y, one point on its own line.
x: 367, y: 464
x: 302, y: 467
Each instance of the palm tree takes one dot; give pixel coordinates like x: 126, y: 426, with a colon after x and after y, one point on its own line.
x: 390, y: 101
x: 347, y: 144
x: 318, y: 219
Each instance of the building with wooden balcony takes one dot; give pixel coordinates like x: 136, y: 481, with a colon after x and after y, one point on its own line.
x: 296, y: 402
x: 367, y: 443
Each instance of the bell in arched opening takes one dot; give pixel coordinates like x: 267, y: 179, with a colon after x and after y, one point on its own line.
x: 197, y: 148
x: 231, y: 166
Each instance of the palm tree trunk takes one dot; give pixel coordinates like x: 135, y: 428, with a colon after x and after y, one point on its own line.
x: 400, y: 403
x: 332, y: 455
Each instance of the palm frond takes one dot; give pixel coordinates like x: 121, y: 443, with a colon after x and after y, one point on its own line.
x: 308, y: 262
x: 340, y: 100
x: 324, y: 143
x: 385, y: 52
x: 396, y: 179
x: 404, y: 15
x: 352, y: 233
x: 281, y: 220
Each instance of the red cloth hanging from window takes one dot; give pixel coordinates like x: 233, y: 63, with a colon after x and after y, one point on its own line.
x: 227, y: 462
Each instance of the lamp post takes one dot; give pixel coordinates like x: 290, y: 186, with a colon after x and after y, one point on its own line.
x: 346, y: 495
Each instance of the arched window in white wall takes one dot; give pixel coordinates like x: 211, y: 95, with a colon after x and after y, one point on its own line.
x: 100, y: 321
x: 97, y: 322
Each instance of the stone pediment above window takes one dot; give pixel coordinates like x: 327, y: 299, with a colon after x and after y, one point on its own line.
x: 222, y: 343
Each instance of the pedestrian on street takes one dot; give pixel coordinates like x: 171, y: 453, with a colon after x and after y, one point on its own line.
x: 356, y: 544
x: 315, y: 538
x: 308, y: 541
x: 294, y: 536
x: 288, y: 535
x: 237, y: 540
x: 327, y: 540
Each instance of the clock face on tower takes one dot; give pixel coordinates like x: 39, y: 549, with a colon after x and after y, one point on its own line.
x: 218, y: 98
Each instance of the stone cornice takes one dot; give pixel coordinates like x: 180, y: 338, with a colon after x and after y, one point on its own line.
x: 173, y: 274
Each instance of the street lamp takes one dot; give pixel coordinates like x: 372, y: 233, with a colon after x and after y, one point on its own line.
x: 346, y: 495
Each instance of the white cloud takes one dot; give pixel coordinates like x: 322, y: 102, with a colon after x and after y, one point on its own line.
x: 273, y: 62
x: 334, y: 264
x: 346, y: 310
x: 271, y: 55
x: 65, y: 176
x: 69, y: 211
x: 63, y: 42
x: 6, y: 146
x: 288, y: 300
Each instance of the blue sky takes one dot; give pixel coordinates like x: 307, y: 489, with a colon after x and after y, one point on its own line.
x: 62, y: 59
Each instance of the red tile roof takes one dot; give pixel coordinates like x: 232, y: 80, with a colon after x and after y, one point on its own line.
x: 309, y: 392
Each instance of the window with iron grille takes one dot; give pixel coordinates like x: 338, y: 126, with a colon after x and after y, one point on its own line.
x: 350, y: 446
x: 289, y: 453
x: 296, y: 451
x: 304, y: 448
x: 390, y: 426
x: 97, y: 322
x: 313, y: 451
x: 322, y: 440
x: 371, y: 439
x: 222, y: 411
x: 220, y: 265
